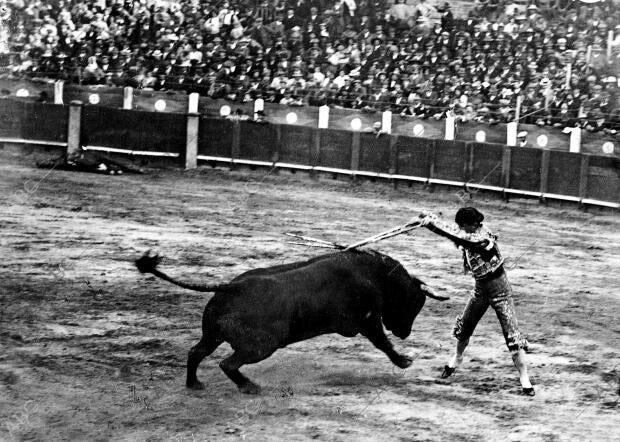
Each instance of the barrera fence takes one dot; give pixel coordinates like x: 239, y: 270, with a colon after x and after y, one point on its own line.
x: 597, y: 142
x: 189, y: 138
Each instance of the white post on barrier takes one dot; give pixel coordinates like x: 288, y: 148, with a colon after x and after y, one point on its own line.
x: 386, y: 122
x: 58, y: 91
x: 511, y: 133
x: 323, y: 117
x: 575, y: 140
x: 450, y: 126
x: 192, y: 104
x: 191, y: 140
x: 74, y: 129
x: 128, y: 98
x: 259, y: 106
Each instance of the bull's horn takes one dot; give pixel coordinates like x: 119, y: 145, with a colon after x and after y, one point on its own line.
x: 428, y: 292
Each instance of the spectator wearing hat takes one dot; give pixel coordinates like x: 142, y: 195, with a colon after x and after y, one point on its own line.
x: 358, y: 94
x: 597, y: 122
x: 92, y: 72
x: 492, y: 102
x: 267, y: 11
x: 398, y: 101
x: 379, y: 99
x: 287, y: 99
x: 376, y: 129
x: 522, y: 139
x: 447, y: 18
x: 563, y: 117
x: 341, y: 79
x: 261, y: 34
x: 314, y: 17
x: 556, y: 102
x: 291, y: 20
x: 466, y: 114
x: 415, y: 107
x: 339, y: 57
x: 614, y: 116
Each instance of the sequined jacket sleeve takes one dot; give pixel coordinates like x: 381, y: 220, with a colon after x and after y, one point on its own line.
x: 481, y: 252
x: 475, y: 241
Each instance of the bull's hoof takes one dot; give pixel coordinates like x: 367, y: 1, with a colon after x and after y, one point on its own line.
x: 196, y: 385
x: 249, y: 388
x: 402, y: 361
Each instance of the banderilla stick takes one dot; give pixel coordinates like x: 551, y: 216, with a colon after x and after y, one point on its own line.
x: 378, y: 237
x: 332, y: 245
x: 384, y: 235
x: 310, y: 244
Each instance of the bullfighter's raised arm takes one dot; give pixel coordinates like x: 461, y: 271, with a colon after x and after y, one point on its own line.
x: 482, y: 241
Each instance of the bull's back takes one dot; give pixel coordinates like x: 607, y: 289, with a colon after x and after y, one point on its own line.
x: 265, y: 271
x: 324, y: 296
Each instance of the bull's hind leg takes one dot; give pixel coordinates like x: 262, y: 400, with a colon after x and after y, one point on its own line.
x: 241, y: 357
x: 197, y: 353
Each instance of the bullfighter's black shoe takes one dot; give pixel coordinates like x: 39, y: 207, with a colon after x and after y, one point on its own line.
x: 447, y: 371
x: 529, y: 391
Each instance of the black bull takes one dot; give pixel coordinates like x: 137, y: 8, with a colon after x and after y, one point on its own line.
x: 265, y: 309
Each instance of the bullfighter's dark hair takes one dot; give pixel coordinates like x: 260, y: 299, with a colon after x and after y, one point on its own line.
x: 468, y: 215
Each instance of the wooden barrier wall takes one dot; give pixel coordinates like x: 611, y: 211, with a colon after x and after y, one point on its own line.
x: 133, y: 130
x: 554, y: 174
x: 34, y: 121
x: 557, y: 174
x: 177, y: 102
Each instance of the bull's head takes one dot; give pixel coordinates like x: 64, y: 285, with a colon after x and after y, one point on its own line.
x: 403, y: 300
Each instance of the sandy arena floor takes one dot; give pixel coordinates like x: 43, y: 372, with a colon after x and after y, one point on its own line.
x: 93, y: 350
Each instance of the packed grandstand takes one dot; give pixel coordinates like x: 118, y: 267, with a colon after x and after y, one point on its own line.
x: 556, y: 61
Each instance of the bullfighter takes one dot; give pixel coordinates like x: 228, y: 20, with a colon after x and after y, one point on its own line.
x: 481, y: 257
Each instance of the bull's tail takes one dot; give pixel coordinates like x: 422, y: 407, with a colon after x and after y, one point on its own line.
x: 147, y: 263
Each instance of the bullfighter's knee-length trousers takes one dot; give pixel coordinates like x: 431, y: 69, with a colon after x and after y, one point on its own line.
x: 497, y: 293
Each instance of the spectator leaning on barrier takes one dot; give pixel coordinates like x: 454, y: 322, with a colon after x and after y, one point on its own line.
x: 522, y: 139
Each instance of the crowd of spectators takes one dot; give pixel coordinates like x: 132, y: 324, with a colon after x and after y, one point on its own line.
x: 411, y: 57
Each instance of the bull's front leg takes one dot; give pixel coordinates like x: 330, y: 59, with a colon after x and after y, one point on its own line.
x: 373, y: 330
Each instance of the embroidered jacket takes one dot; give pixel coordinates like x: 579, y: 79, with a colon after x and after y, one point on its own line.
x: 481, y: 254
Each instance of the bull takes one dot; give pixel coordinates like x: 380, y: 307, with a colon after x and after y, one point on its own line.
x: 262, y: 310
